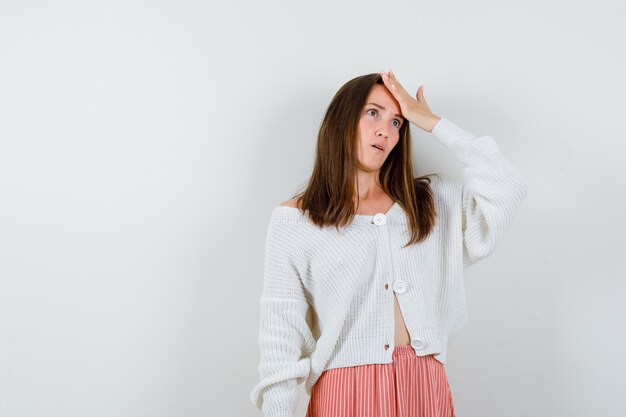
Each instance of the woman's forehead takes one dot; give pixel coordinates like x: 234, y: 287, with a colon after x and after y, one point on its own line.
x: 382, y: 96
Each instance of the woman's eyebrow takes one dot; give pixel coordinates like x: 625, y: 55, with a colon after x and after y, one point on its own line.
x: 381, y: 107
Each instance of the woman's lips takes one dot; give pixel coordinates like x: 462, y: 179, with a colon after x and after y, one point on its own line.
x: 377, y: 149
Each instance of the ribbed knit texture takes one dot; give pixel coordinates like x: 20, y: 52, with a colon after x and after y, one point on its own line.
x: 324, y: 304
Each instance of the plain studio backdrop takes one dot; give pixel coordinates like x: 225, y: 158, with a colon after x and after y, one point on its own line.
x: 143, y: 146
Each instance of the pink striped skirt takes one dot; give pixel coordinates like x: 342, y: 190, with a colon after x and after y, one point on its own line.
x: 410, y: 386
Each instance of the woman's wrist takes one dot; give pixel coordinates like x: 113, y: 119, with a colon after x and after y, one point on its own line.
x: 425, y: 122
x: 432, y: 123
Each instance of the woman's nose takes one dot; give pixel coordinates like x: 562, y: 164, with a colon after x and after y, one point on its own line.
x: 383, y: 129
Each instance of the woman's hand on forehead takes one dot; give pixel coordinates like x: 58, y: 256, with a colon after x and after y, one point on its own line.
x: 416, y: 109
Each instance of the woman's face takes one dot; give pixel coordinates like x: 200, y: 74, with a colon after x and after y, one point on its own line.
x: 379, y: 125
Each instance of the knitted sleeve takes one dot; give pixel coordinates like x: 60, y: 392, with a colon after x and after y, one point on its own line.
x: 492, y: 189
x: 285, y: 338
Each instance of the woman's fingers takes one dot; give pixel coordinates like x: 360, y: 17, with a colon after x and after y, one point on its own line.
x: 416, y: 110
x: 392, y: 82
x: 389, y: 80
x: 420, y: 94
x: 389, y: 83
x: 421, y: 99
x: 394, y: 86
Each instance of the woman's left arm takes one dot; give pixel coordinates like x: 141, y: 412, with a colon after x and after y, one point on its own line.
x: 492, y: 189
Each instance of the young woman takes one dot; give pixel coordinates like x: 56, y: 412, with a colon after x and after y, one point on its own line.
x: 363, y: 278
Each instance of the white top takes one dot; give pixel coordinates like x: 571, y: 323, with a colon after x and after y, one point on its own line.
x: 324, y: 304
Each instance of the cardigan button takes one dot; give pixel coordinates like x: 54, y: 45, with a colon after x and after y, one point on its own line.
x: 386, y: 286
x: 386, y: 346
x: 418, y: 344
x: 399, y: 286
x: 379, y: 219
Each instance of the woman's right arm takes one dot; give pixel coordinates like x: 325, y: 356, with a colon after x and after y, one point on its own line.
x: 285, y: 338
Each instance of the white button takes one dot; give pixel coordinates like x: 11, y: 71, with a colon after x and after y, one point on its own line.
x: 379, y: 219
x: 417, y: 344
x: 399, y: 286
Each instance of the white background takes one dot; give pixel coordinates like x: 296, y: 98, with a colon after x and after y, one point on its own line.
x: 143, y: 146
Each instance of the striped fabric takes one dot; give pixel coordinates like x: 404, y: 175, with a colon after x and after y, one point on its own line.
x: 410, y: 386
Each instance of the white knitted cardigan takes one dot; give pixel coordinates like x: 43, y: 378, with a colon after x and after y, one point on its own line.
x: 325, y: 303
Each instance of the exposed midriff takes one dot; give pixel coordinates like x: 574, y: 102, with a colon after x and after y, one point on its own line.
x: 401, y: 335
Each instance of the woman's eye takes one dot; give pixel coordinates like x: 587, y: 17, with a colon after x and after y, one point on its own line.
x: 398, y: 122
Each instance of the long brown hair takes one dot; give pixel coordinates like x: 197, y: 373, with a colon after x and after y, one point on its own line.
x: 330, y: 193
